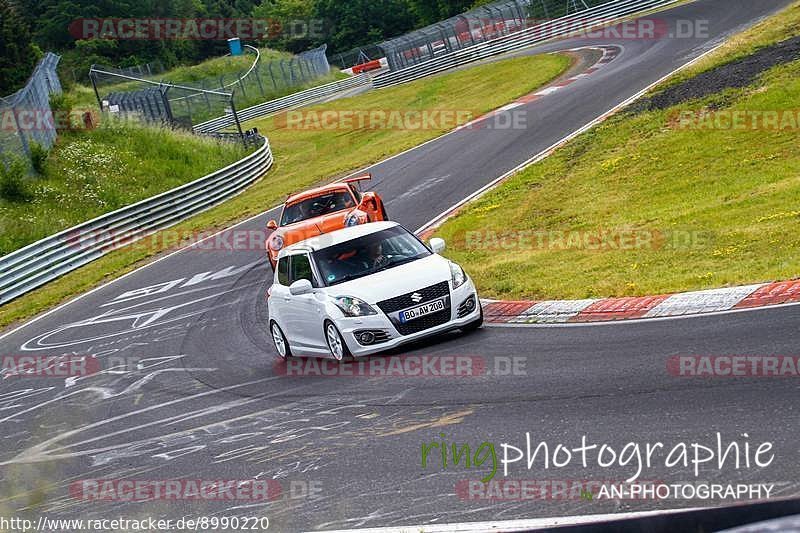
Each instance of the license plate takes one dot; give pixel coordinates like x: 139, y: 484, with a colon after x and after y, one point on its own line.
x: 421, y: 311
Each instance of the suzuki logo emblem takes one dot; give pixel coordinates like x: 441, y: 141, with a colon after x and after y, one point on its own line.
x: 416, y: 297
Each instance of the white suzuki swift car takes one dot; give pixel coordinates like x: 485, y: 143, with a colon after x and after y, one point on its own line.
x: 365, y: 289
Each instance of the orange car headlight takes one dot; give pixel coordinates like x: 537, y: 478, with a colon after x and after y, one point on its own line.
x: 276, y: 243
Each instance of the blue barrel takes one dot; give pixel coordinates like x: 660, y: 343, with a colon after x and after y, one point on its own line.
x: 235, y: 45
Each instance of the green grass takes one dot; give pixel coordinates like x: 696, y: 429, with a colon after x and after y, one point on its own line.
x: 89, y: 173
x: 736, y: 191
x: 304, y: 158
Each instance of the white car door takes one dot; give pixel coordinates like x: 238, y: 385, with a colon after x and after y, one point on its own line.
x: 302, y: 313
x: 279, y: 295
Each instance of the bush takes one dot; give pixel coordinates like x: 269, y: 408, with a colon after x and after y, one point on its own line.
x: 61, y: 103
x: 12, y: 180
x: 38, y: 157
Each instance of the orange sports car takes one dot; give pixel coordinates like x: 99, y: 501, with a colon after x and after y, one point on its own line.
x: 323, y: 210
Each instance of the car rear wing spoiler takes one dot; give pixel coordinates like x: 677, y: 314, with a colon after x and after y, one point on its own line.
x: 358, y: 179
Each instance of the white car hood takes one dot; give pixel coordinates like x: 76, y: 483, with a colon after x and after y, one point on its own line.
x: 396, y: 281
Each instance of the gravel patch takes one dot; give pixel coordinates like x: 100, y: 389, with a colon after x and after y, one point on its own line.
x: 737, y: 74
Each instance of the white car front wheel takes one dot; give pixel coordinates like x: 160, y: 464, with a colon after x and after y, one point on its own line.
x: 336, y: 343
x: 279, y: 339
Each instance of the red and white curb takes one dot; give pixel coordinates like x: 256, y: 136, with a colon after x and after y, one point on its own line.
x: 610, y: 53
x: 639, y: 308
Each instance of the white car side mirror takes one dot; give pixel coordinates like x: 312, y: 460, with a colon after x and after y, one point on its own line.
x: 301, y: 287
x: 437, y: 245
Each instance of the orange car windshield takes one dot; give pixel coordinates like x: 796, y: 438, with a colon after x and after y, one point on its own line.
x: 317, y: 206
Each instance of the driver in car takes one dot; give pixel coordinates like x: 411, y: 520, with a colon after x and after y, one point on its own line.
x: 375, y: 257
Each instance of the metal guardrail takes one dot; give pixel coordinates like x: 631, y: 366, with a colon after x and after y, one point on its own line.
x: 287, y: 102
x: 43, y: 261
x: 598, y: 16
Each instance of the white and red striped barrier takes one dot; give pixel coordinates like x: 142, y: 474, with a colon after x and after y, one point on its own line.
x: 645, y: 307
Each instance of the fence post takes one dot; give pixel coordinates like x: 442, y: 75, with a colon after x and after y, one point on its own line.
x: 257, y: 72
x: 241, y: 84
x: 205, y: 95
x: 272, y: 76
x: 283, y: 72
x: 94, y: 86
x: 23, y: 139
x: 236, y: 120
x: 167, y: 105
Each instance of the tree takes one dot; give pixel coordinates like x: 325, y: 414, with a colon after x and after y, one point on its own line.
x: 291, y: 24
x: 18, y: 54
x: 431, y: 11
x: 360, y: 22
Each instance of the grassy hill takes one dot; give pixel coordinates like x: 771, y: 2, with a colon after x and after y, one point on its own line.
x: 714, y: 202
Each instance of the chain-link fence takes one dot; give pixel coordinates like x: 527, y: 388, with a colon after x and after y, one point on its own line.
x: 127, y: 96
x: 476, y: 26
x: 358, y: 56
x: 146, y: 95
x: 26, y: 115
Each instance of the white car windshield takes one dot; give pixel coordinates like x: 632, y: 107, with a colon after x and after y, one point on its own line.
x: 367, y: 255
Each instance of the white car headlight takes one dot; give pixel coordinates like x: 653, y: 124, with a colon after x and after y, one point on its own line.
x: 353, y: 307
x: 458, y: 275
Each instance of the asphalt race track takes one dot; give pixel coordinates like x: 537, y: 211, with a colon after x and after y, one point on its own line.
x: 209, y: 400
